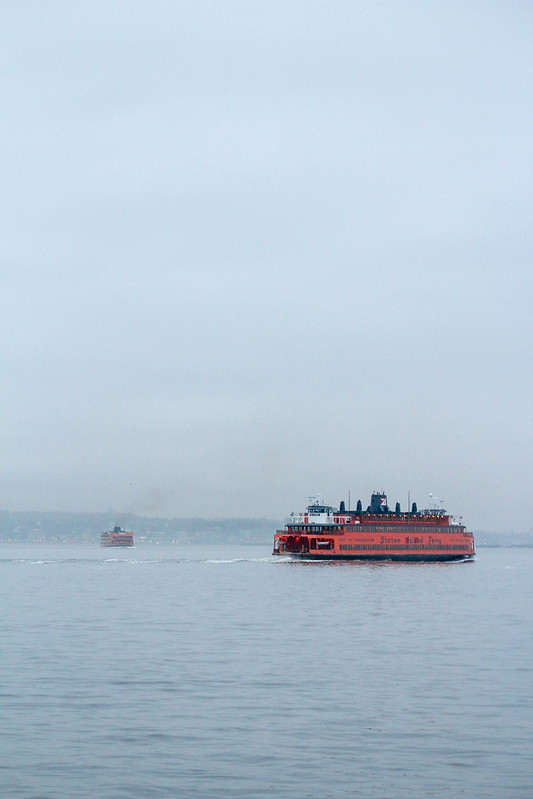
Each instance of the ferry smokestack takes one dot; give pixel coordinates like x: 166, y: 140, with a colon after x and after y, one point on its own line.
x: 378, y: 503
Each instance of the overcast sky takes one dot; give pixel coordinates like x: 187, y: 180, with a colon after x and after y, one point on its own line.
x: 258, y: 250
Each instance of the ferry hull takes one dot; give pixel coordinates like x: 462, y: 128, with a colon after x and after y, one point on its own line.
x: 113, y: 545
x: 406, y: 558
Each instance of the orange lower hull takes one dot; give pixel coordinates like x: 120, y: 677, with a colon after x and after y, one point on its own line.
x: 110, y: 540
x: 398, y: 546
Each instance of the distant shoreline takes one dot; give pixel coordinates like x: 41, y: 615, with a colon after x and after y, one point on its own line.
x: 71, y: 528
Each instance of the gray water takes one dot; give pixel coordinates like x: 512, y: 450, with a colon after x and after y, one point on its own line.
x: 223, y: 672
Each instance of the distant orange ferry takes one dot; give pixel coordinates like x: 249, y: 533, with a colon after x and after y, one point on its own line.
x: 378, y: 533
x: 117, y: 537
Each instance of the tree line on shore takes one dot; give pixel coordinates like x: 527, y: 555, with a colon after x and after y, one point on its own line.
x: 62, y: 527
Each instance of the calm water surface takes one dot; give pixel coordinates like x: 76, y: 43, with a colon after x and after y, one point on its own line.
x: 223, y: 672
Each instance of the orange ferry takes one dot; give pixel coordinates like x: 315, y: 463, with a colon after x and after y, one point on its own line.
x: 379, y: 533
x: 117, y: 537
